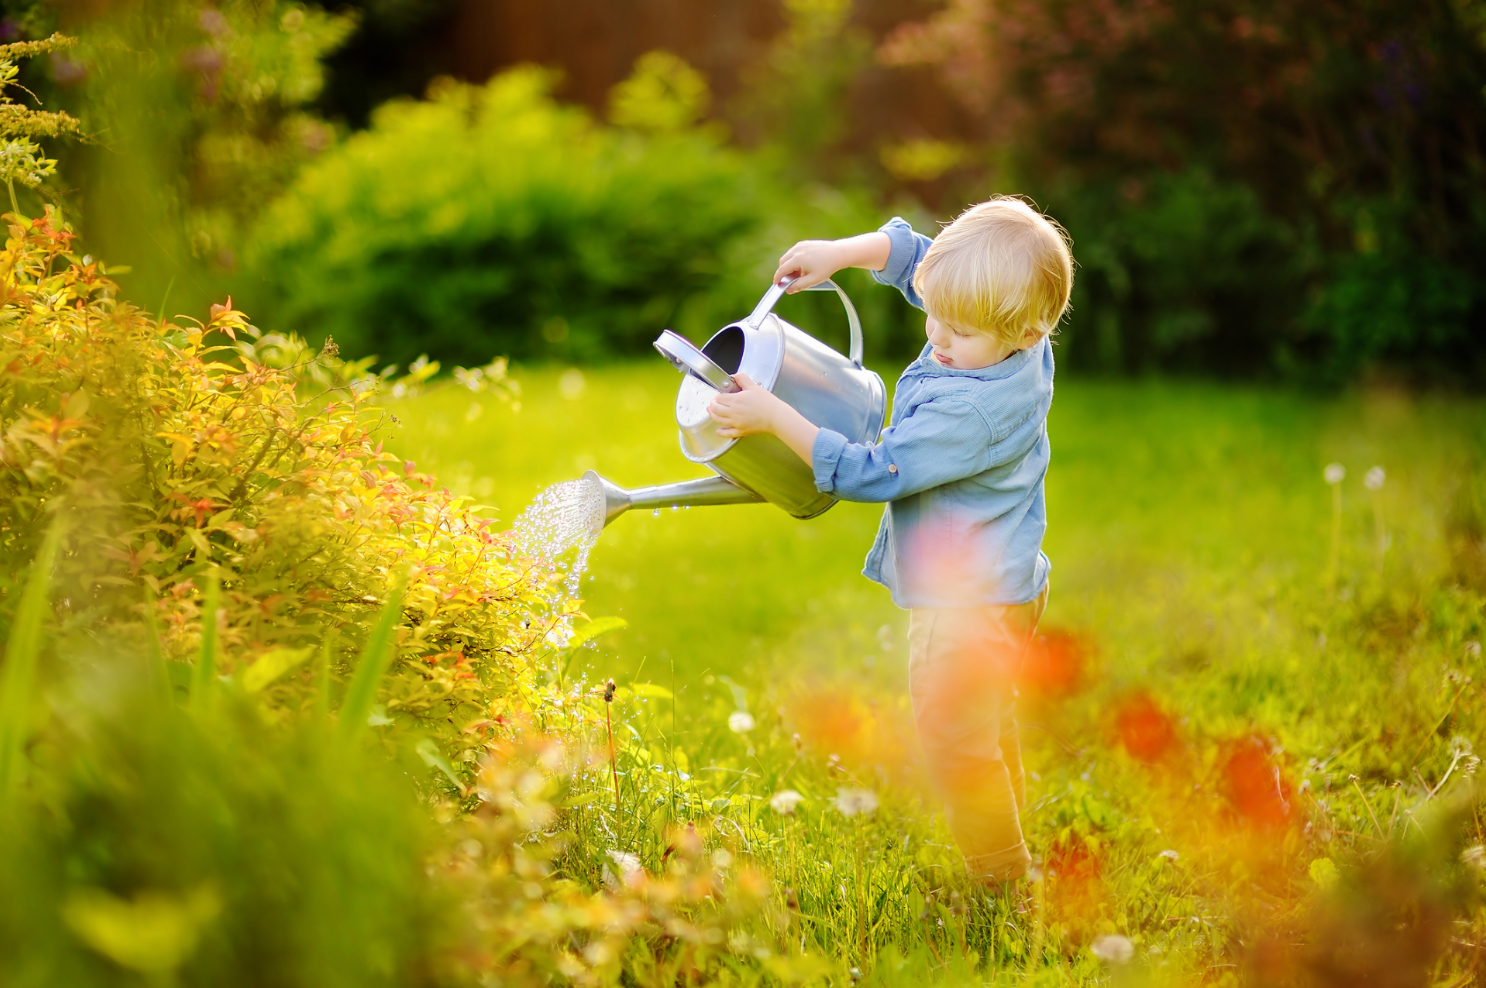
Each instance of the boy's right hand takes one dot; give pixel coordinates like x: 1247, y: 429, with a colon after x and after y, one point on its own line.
x: 809, y: 262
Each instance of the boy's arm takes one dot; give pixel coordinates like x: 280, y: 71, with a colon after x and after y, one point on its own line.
x: 938, y: 442
x: 907, y: 250
x: 810, y: 262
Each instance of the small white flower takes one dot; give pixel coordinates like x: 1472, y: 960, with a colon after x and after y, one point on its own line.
x: 850, y: 802
x: 1373, y: 480
x: 784, y: 801
x: 740, y: 721
x: 1335, y: 473
x: 1113, y: 949
x: 628, y: 865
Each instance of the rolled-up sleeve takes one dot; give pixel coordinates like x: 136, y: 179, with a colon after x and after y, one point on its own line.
x: 938, y: 442
x: 908, y: 249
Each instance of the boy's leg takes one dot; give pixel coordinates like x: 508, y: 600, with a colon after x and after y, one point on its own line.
x: 962, y: 665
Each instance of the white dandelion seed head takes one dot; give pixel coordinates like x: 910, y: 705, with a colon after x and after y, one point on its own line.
x: 784, y: 801
x: 1460, y: 747
x: 740, y: 721
x: 1169, y: 855
x: 1113, y: 949
x: 627, y: 863
x: 1374, y: 478
x: 1334, y: 473
x: 850, y: 802
x: 1474, y: 858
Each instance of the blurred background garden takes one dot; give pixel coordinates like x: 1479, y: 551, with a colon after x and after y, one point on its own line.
x: 304, y: 304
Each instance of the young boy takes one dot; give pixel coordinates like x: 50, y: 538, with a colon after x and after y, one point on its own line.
x: 961, y: 469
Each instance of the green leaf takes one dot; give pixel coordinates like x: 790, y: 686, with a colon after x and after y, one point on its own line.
x: 1323, y: 872
x: 593, y: 629
x: 583, y: 800
x: 22, y: 650
x: 584, y: 635
x: 433, y: 758
x: 370, y: 667
x: 272, y: 664
x: 650, y: 689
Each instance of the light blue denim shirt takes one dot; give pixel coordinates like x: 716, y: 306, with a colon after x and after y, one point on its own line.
x: 961, y: 469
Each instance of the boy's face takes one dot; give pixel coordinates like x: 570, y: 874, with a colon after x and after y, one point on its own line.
x: 965, y: 349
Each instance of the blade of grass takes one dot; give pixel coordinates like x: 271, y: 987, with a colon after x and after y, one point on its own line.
x: 159, y: 675
x: 205, y: 674
x: 322, y: 676
x: 17, y: 685
x: 372, y: 664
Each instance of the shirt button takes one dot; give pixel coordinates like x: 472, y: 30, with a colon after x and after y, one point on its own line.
x: 892, y: 468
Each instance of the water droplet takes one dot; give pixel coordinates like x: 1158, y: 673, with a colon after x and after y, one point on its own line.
x: 655, y: 513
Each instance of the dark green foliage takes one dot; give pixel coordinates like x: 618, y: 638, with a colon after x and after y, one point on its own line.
x: 1185, y: 271
x: 490, y: 220
x: 1312, y: 172
x: 161, y: 846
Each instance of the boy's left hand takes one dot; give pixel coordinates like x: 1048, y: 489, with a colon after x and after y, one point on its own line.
x: 743, y: 413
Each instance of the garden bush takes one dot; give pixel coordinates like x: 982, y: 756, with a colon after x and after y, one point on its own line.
x: 180, y: 459
x: 492, y: 220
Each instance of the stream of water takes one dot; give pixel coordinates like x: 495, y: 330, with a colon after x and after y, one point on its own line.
x: 559, y: 528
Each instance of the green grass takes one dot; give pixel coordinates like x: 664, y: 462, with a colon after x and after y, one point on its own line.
x: 1190, y: 537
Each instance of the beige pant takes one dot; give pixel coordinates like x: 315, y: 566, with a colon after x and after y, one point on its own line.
x: 961, y: 666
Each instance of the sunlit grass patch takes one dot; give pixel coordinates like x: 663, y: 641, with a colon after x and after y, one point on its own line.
x: 1217, y: 733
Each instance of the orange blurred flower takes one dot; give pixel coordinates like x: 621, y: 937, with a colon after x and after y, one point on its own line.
x: 1256, y: 786
x: 1146, y: 731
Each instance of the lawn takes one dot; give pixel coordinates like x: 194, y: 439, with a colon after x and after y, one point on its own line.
x: 1206, y: 629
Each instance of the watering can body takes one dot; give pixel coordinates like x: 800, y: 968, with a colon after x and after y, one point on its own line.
x: 831, y: 390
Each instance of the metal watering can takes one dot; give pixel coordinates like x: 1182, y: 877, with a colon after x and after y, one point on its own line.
x: 832, y: 391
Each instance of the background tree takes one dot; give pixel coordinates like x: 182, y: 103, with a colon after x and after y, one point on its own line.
x: 1251, y: 184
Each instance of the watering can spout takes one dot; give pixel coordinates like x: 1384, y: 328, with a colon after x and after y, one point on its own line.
x: 708, y: 490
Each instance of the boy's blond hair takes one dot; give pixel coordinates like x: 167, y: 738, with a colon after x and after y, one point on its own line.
x: 1001, y: 268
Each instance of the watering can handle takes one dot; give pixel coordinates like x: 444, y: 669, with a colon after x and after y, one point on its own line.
x: 688, y: 359
x: 776, y: 292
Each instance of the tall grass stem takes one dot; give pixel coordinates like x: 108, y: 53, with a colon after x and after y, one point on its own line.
x: 22, y: 652
x: 613, y: 764
x: 1333, y: 564
x: 156, y: 669
x: 322, y: 676
x: 203, y: 677
x: 372, y: 664
x: 1379, y: 529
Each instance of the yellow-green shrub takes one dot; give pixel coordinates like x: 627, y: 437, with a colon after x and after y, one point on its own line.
x: 178, y: 453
